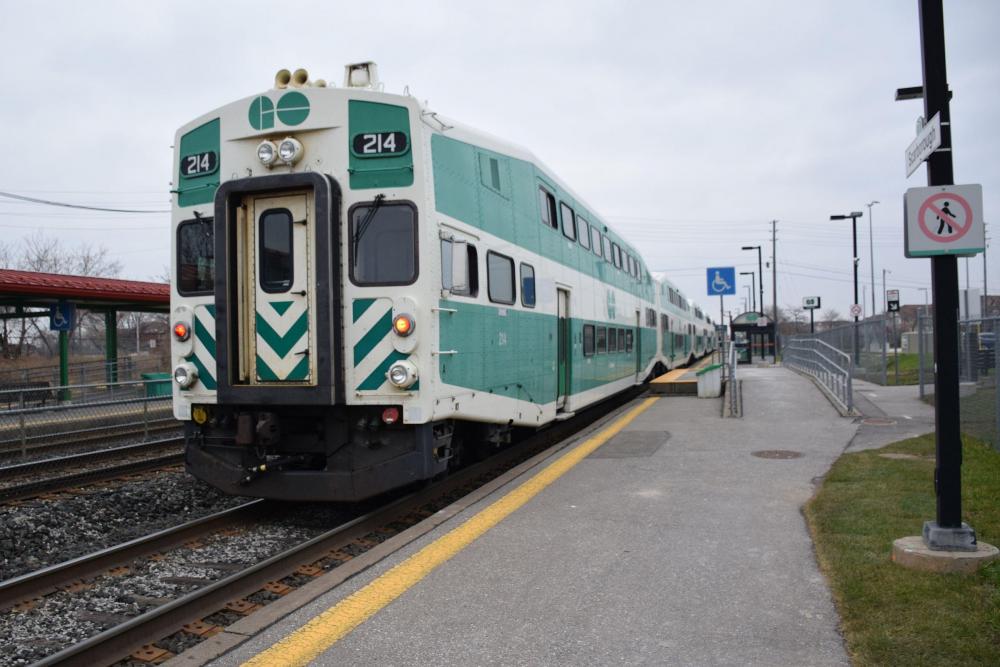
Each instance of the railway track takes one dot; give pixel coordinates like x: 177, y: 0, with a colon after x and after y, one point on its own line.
x: 29, y: 479
x: 361, y: 540
x: 42, y: 444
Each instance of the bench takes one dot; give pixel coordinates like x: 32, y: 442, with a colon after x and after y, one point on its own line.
x: 37, y: 393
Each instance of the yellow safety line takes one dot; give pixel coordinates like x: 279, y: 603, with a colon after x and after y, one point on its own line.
x: 319, y: 634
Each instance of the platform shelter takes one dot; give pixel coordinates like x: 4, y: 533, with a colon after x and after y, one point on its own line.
x: 28, y: 294
x: 753, y: 335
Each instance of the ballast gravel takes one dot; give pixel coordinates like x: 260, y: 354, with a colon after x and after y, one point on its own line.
x: 37, y: 533
x: 65, y: 618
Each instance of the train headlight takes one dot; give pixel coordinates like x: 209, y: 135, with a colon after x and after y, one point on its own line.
x: 290, y: 150
x: 403, y: 324
x: 402, y: 374
x: 267, y: 153
x: 185, y: 375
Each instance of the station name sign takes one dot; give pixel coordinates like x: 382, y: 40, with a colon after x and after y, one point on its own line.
x: 928, y: 140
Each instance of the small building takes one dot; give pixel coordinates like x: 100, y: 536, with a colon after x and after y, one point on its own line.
x: 753, y: 335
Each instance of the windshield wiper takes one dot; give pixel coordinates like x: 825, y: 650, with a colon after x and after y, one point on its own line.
x: 367, y: 221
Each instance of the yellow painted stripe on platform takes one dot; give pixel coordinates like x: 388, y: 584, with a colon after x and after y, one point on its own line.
x: 323, y: 631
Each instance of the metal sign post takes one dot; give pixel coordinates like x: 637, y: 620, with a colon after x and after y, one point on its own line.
x: 811, y: 303
x: 947, y: 532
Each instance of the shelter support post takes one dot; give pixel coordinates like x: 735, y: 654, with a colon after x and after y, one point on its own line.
x: 64, y: 393
x: 111, y: 346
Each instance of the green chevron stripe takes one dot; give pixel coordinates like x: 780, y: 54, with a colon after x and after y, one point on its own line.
x: 281, y: 307
x: 204, y: 376
x: 377, y: 377
x: 361, y: 306
x: 264, y: 371
x: 373, y: 337
x: 202, y: 333
x: 211, y: 310
x: 301, y: 370
x: 282, y: 345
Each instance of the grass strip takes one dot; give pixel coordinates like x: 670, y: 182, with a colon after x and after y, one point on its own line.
x: 891, y: 615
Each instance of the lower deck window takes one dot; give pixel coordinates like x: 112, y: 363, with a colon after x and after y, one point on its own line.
x: 602, y: 340
x: 588, y: 340
x: 500, y: 277
x: 383, y: 243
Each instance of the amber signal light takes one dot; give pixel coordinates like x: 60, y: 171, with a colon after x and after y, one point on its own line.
x: 181, y: 331
x: 403, y: 324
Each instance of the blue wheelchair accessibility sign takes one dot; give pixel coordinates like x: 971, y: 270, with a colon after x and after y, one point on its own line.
x: 62, y: 316
x: 721, y: 281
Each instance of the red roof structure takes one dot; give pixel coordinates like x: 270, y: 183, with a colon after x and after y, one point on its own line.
x: 28, y: 288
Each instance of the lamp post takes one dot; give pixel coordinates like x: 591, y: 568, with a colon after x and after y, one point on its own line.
x: 746, y: 308
x: 871, y: 250
x: 753, y: 290
x: 854, y: 215
x: 760, y: 268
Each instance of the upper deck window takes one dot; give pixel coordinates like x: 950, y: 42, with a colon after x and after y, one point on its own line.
x: 196, y: 257
x: 383, y: 243
x: 547, y: 206
x: 568, y: 221
x: 584, y: 230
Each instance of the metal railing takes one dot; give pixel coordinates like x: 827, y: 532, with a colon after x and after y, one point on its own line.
x: 129, y: 411
x: 832, y: 368
x: 730, y: 379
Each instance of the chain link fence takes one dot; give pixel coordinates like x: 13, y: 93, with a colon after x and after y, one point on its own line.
x: 978, y: 359
x: 33, y: 419
x: 867, y: 344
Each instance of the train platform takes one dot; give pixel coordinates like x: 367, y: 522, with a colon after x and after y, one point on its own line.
x: 664, y: 534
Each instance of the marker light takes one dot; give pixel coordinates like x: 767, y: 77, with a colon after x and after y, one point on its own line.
x: 402, y: 374
x: 185, y: 375
x: 199, y: 414
x: 403, y: 324
x: 390, y: 415
x: 289, y: 150
x: 267, y: 153
x: 181, y: 331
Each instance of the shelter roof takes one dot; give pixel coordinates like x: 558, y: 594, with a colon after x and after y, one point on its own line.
x: 29, y: 288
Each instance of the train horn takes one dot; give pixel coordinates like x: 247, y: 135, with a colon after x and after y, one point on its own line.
x: 282, y: 78
x: 300, y: 78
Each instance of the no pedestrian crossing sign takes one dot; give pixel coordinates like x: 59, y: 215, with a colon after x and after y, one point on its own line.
x: 721, y: 280
x: 944, y: 220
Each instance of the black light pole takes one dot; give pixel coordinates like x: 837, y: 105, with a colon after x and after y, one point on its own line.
x: 760, y: 268
x: 853, y: 216
x: 753, y: 288
x: 947, y: 533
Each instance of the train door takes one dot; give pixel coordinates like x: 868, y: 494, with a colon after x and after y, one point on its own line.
x: 563, y: 348
x: 637, y: 348
x: 275, y: 290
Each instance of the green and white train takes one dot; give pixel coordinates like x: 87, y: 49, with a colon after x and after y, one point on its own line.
x: 366, y: 294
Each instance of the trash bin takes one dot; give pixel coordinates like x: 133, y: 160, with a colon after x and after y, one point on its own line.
x: 157, y: 384
x: 710, y: 381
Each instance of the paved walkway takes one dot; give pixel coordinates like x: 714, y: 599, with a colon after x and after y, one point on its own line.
x: 672, y: 544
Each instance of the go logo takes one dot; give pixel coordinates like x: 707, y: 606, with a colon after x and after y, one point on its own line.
x: 293, y: 109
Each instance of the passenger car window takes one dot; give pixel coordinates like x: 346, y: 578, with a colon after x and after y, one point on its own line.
x: 472, y: 283
x: 584, y: 230
x: 602, y: 340
x: 527, y: 285
x: 568, y: 221
x: 547, y: 206
x: 595, y: 241
x: 588, y: 340
x: 500, y: 277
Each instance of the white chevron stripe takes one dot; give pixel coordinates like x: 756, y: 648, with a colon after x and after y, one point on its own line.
x: 374, y: 358
x: 374, y: 313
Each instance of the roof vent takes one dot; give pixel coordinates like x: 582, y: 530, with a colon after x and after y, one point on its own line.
x: 362, y: 75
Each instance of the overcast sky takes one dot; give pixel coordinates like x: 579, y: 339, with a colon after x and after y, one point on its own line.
x: 688, y: 125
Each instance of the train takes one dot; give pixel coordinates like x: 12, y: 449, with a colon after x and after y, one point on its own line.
x: 366, y: 294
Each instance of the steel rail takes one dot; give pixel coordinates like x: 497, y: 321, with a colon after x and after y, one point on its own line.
x: 87, y: 457
x: 34, y: 584
x: 32, y: 489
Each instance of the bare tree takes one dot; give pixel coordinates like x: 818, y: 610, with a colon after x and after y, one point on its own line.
x: 830, y: 316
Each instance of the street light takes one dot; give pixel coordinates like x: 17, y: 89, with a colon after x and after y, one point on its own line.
x: 753, y: 290
x: 853, y: 216
x: 760, y: 268
x: 871, y: 249
x: 746, y: 308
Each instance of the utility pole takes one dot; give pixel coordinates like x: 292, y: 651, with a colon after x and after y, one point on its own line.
x: 871, y: 250
x: 985, y: 302
x: 774, y: 283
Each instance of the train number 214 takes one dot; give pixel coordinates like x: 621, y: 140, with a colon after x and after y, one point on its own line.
x: 372, y: 144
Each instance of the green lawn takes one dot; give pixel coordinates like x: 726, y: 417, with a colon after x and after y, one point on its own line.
x: 891, y: 615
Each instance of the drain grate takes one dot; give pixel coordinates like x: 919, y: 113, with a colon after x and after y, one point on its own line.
x: 776, y: 454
